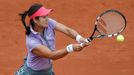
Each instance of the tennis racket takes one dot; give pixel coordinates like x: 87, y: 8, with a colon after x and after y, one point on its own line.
x: 108, y: 24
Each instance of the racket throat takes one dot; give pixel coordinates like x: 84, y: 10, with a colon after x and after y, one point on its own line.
x: 101, y: 36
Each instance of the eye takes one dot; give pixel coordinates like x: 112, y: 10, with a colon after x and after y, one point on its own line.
x: 44, y: 16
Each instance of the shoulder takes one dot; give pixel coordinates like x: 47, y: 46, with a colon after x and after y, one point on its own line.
x: 52, y: 23
x: 51, y: 20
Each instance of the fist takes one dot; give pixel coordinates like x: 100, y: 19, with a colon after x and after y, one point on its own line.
x: 77, y: 47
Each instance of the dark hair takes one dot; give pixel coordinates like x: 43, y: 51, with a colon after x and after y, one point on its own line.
x: 29, y: 12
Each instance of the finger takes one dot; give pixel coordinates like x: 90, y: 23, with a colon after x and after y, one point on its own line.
x: 82, y: 44
x: 88, y: 43
x: 85, y: 44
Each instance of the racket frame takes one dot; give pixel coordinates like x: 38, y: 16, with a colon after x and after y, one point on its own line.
x: 104, y: 35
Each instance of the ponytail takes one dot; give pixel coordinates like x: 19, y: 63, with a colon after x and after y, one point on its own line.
x: 31, y: 11
x: 23, y: 17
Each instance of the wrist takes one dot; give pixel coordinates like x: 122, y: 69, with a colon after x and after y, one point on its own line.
x: 78, y: 37
x: 69, y: 48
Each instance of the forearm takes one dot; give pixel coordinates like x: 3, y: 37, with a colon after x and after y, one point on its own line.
x: 75, y: 35
x: 58, y: 54
x: 45, y: 52
x: 72, y: 33
x: 63, y: 52
x: 66, y: 30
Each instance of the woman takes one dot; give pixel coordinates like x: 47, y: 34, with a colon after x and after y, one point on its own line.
x: 40, y: 41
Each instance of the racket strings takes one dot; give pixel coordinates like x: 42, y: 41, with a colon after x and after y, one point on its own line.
x: 101, y: 25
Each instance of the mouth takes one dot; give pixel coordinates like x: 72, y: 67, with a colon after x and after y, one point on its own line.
x: 46, y: 24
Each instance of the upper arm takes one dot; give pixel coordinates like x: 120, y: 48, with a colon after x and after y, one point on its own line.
x: 42, y: 51
x: 63, y: 28
x: 58, y: 26
x: 35, y: 46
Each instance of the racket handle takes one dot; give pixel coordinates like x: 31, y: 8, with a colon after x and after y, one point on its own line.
x: 89, y: 39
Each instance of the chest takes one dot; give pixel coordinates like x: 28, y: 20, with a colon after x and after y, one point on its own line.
x: 48, y: 38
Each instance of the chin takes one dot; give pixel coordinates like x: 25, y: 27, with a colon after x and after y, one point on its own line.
x: 45, y: 26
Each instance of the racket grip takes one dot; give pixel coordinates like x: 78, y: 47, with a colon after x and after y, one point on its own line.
x: 89, y: 39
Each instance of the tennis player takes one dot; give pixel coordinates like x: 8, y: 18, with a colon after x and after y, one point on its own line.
x: 40, y: 41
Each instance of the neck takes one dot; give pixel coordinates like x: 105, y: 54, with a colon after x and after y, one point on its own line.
x: 39, y: 29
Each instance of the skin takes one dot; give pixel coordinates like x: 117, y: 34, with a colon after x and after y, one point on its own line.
x: 44, y: 51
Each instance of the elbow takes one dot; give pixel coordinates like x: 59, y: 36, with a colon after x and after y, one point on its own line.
x: 53, y: 58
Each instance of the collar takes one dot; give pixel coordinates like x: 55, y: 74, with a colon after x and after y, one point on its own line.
x: 34, y: 32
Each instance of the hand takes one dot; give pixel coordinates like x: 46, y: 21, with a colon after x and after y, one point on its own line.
x: 77, y: 47
x: 80, y: 39
x: 83, y: 40
x: 85, y: 44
